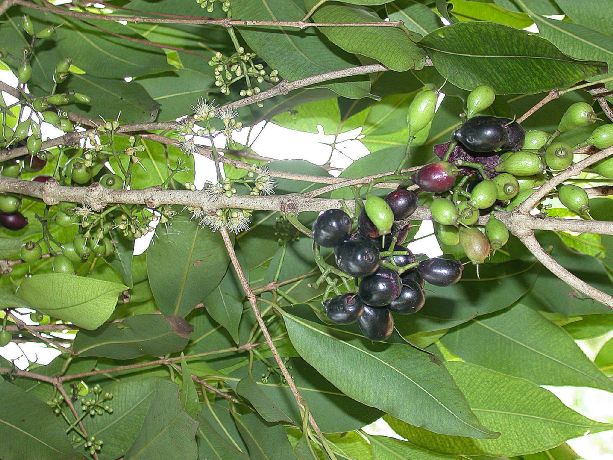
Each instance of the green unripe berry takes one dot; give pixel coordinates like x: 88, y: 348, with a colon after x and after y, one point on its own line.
x: 507, y: 186
x: 111, y: 181
x: 34, y: 144
x: 82, y: 98
x: 475, y: 244
x: 81, y: 247
x: 69, y: 251
x: 443, y: 211
x: 63, y: 66
x: 9, y: 203
x: 58, y: 99
x: 31, y: 252
x: 109, y: 248
x: 467, y: 214
x: 27, y: 26
x: 522, y: 164
x: 529, y: 183
x: 602, y: 137
x: 52, y: 118
x: 574, y: 198
x: 21, y: 130
x: 447, y: 235
x: 24, y: 73
x: 66, y: 125
x: 5, y: 338
x: 64, y: 220
x: 40, y: 104
x: 577, y: 115
x: 484, y: 194
x: 559, y: 156
x: 46, y: 32
x: 62, y: 264
x: 380, y: 213
x: 97, y: 247
x: 479, y: 99
x: 80, y: 174
x: 497, y: 233
x: 604, y: 168
x: 421, y: 110
x: 535, y: 139
x: 37, y: 317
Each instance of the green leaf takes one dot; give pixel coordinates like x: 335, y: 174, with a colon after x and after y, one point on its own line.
x: 590, y: 326
x: 604, y: 359
x: 249, y: 389
x: 416, y: 17
x: 188, y: 394
x: 225, y: 303
x: 529, y: 418
x: 509, y: 60
x: 521, y: 342
x: 478, y: 11
x: 167, y: 432
x: 562, y: 452
x: 540, y: 6
x: 587, y: 243
x: 308, y: 117
x: 264, y: 441
x: 391, y: 46
x: 185, y: 263
x: 9, y: 248
x: 134, y: 337
x: 85, y: 302
x: 112, y: 99
x: 418, y: 390
x: 124, y: 256
x: 9, y: 300
x: 212, y: 445
x: 594, y: 14
x: 295, y: 54
x: 28, y: 428
x: 384, y: 448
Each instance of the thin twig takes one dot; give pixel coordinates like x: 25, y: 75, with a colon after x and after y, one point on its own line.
x: 208, y: 386
x: 21, y: 325
x: 553, y: 94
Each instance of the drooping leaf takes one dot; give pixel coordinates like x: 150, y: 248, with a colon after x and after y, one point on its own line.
x: 225, y: 303
x: 521, y: 342
x: 124, y: 256
x: 249, y: 389
x: 512, y: 406
x: 188, y: 394
x: 185, y: 263
x: 85, y: 302
x: 265, y: 441
x: 134, y: 337
x: 29, y: 429
x: 418, y: 389
x: 511, y: 61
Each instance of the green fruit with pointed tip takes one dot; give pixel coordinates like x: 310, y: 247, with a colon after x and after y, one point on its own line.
x: 66, y: 125
x: 443, y: 211
x: 40, y: 104
x: 5, y: 338
x: 31, y: 252
x: 81, y: 247
x: 479, y: 99
x: 559, y: 156
x: 447, y: 234
x: 467, y: 214
x: 497, y: 233
x: 475, y: 244
x: 484, y: 194
x: 529, y: 183
x: 421, y: 110
x: 578, y: 115
x: 27, y: 26
x: 52, y: 118
x: 9, y: 203
x: 82, y: 98
x: 522, y: 164
x: 63, y: 65
x: 380, y: 213
x: 507, y: 186
x: 58, y: 99
x: 604, y: 168
x: 24, y: 73
x: 535, y: 139
x: 111, y: 181
x: 69, y: 251
x: 97, y: 247
x: 574, y: 198
x: 46, y: 32
x: 62, y: 264
x: 22, y: 130
x: 602, y: 137
x: 34, y: 144
x: 37, y: 317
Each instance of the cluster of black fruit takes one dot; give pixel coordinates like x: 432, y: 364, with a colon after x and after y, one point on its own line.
x: 382, y: 290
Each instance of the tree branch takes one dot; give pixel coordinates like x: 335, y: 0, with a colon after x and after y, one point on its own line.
x: 23, y: 326
x: 553, y: 94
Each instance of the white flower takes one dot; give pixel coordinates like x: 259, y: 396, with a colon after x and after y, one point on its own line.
x: 237, y: 221
x: 213, y: 189
x: 214, y: 222
x: 189, y: 146
x: 226, y: 113
x: 265, y: 185
x: 204, y: 110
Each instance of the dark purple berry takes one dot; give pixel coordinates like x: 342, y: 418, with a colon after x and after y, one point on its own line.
x: 376, y: 323
x: 379, y: 289
x: 33, y: 163
x: 403, y: 203
x: 483, y: 134
x: 412, y: 276
x: 366, y: 228
x: 42, y: 179
x: 441, y: 272
x: 436, y: 177
x: 331, y: 228
x: 357, y: 257
x: 344, y: 309
x: 13, y: 221
x: 401, y: 260
x: 515, y: 137
x: 410, y: 300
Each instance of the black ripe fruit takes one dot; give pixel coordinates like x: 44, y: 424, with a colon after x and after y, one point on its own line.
x: 516, y: 136
x: 357, y: 257
x: 344, y: 309
x: 410, y: 300
x: 331, y: 228
x: 436, y: 177
x: 366, y: 228
x: 376, y: 323
x: 487, y: 134
x: 13, y: 221
x: 440, y: 272
x: 412, y: 276
x: 401, y: 260
x: 403, y: 203
x: 379, y: 289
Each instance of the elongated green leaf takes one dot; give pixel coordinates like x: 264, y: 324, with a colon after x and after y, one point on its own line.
x: 529, y: 418
x: 85, y: 302
x: 9, y: 300
x: 590, y: 326
x: 185, y: 263
x: 540, y: 6
x: 478, y: 11
x: 562, y: 452
x: 212, y: 445
x: 390, y: 46
x: 415, y: 16
x: 417, y: 389
x: 142, y: 335
x: 604, y: 359
x: 124, y: 256
x: 309, y: 54
x: 188, y: 394
x: 28, y: 428
x: 249, y: 389
x: 509, y: 60
x: 167, y: 432
x: 264, y: 441
x: 9, y: 248
x: 225, y: 303
x: 587, y: 243
x: 384, y: 448
x: 521, y: 342
x: 595, y: 14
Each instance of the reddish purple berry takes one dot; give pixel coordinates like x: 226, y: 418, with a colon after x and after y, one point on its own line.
x: 436, y: 177
x: 13, y: 221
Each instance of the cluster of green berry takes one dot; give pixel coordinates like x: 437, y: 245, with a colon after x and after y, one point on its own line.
x: 209, y: 5
x: 240, y: 66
